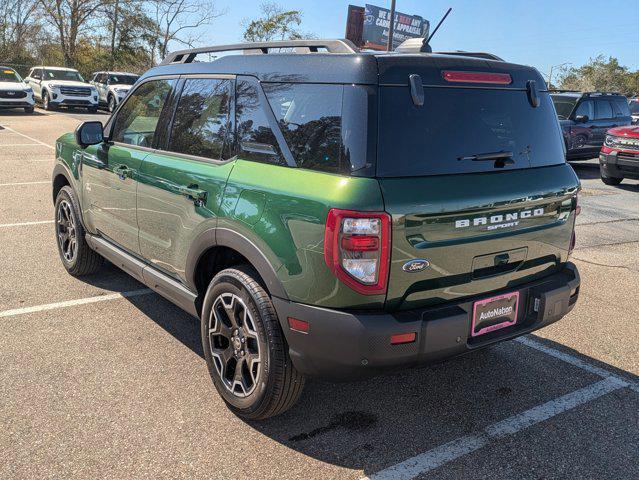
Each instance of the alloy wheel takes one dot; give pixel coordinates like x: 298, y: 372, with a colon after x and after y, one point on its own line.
x: 66, y: 231
x: 234, y: 344
x: 111, y: 104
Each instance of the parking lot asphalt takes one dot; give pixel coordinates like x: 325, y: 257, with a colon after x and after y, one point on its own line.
x: 101, y: 378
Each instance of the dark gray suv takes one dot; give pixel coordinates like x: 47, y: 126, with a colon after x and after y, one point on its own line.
x: 586, y: 117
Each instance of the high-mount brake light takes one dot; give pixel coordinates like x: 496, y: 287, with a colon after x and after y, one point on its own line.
x: 477, y: 77
x: 357, y: 249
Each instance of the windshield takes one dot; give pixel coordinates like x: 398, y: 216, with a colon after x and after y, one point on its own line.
x: 564, y: 105
x: 122, y: 79
x: 71, y: 75
x: 8, y: 75
x: 634, y: 107
x: 465, y: 130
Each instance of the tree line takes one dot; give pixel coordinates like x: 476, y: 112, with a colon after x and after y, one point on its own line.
x: 601, y: 74
x: 129, y: 35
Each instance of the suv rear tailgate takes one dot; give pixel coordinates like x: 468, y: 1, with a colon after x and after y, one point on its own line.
x: 479, y: 232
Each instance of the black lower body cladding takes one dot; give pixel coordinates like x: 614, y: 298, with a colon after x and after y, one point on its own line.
x: 346, y: 346
x: 625, y: 165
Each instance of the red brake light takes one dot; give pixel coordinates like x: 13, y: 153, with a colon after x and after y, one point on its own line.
x: 357, y: 249
x: 477, y: 77
x: 360, y: 243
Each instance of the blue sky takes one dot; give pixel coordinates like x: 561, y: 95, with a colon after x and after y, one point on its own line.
x: 540, y: 33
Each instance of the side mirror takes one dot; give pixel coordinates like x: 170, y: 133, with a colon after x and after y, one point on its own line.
x: 582, y: 118
x: 89, y: 133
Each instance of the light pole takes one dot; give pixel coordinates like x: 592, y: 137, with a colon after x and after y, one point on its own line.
x: 391, y: 28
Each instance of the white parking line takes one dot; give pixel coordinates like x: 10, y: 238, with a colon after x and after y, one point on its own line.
x: 575, y: 361
x: 71, y: 303
x: 18, y: 144
x: 457, y: 448
x: 24, y: 224
x: 29, y: 138
x: 24, y: 183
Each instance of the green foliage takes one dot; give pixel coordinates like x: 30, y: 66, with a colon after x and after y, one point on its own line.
x: 274, y: 24
x: 601, y: 74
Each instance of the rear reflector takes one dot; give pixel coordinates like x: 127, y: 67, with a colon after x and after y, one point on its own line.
x: 478, y: 77
x: 298, y: 325
x: 403, y: 338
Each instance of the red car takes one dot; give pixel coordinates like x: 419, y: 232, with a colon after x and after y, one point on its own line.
x: 619, y: 156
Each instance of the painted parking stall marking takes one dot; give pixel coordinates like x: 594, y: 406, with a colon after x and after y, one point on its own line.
x: 71, y: 303
x: 448, y: 452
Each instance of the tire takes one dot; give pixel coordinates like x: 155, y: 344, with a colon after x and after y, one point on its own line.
x: 611, y: 180
x: 111, y: 104
x: 268, y: 386
x: 28, y: 109
x: 46, y: 103
x: 78, y: 259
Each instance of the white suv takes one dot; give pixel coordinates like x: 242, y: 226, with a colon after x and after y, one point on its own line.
x: 113, y: 87
x: 57, y: 86
x: 14, y: 93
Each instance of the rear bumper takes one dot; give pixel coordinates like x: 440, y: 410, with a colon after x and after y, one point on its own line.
x: 619, y: 165
x: 343, y: 346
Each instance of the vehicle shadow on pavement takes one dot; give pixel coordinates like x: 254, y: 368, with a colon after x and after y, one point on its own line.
x: 20, y: 113
x: 586, y: 171
x: 373, y: 424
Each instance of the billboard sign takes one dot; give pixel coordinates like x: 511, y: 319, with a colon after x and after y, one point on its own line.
x: 377, y: 23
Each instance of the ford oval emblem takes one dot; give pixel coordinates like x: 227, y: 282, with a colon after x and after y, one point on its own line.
x: 416, y: 265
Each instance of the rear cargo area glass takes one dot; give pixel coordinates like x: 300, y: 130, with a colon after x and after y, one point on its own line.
x: 457, y: 122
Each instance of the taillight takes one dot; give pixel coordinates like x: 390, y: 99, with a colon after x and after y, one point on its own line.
x: 357, y: 249
x: 477, y: 77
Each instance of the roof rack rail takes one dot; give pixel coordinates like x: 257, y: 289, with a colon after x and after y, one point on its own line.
x: 332, y: 46
x: 416, y: 45
x: 586, y: 94
x: 599, y: 94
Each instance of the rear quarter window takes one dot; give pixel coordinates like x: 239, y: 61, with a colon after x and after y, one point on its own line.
x: 456, y: 123
x: 310, y: 118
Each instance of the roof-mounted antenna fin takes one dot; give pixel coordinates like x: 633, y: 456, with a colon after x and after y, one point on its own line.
x: 426, y: 45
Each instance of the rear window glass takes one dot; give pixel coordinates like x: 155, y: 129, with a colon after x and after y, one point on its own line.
x: 256, y: 139
x: 201, y: 125
x: 564, y: 105
x: 456, y: 125
x: 620, y: 106
x: 309, y: 116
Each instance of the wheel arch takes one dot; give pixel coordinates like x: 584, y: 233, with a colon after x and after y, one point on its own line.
x: 60, y: 178
x: 218, y: 248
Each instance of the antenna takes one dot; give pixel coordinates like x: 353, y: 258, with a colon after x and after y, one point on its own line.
x: 426, y: 44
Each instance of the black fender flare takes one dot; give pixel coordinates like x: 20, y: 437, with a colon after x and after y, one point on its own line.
x: 224, y: 237
x: 60, y: 169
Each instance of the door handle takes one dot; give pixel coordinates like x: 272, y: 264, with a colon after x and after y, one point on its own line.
x: 192, y: 192
x: 123, y: 172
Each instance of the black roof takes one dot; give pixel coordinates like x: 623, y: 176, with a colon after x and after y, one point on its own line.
x: 342, y: 66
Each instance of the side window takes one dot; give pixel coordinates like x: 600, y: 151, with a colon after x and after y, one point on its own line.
x: 36, y: 74
x: 100, y: 78
x: 310, y: 118
x: 620, y: 107
x: 586, y: 108
x: 201, y: 124
x: 603, y: 110
x: 139, y: 115
x: 256, y: 139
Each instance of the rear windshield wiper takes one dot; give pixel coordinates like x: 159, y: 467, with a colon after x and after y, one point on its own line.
x: 500, y: 158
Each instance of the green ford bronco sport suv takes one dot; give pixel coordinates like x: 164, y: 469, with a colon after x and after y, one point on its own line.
x: 328, y: 212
